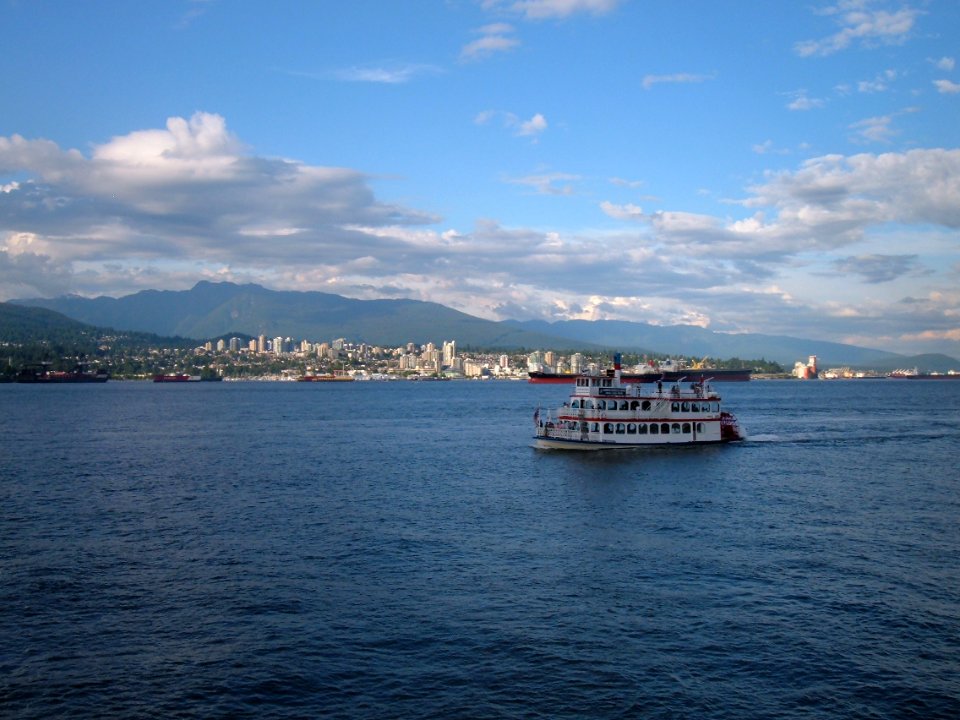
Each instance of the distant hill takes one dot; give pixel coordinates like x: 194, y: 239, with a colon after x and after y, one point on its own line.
x: 34, y: 324
x: 211, y: 310
x: 23, y: 325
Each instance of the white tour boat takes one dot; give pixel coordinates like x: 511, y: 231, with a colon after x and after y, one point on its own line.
x: 603, y: 413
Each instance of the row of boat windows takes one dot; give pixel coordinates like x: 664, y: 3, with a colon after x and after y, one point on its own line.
x: 600, y: 404
x: 634, y: 428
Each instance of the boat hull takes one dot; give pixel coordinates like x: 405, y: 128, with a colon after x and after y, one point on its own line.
x: 553, y: 443
x: 57, y: 378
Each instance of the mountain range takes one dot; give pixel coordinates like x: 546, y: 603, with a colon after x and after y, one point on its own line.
x: 210, y: 310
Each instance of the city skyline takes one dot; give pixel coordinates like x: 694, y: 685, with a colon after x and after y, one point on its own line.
x: 777, y: 168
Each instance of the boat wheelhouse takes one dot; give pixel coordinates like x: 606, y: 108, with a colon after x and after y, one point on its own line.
x: 604, y: 413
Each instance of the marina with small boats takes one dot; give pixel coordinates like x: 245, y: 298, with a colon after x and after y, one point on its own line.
x: 604, y: 412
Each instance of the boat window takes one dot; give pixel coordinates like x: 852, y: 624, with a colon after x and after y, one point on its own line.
x: 575, y: 404
x: 675, y: 407
x: 624, y: 405
x: 664, y: 428
x: 686, y: 428
x: 642, y: 427
x: 646, y: 405
x: 588, y: 404
x: 631, y: 429
x: 595, y: 428
x: 676, y: 428
x: 608, y: 428
x: 700, y: 428
x: 694, y: 407
x: 686, y: 407
x: 635, y: 404
x: 715, y: 407
x: 601, y: 405
x: 621, y: 428
x: 654, y: 429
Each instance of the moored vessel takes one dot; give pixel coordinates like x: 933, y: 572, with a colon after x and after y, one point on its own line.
x: 603, y: 413
x: 41, y: 373
x: 184, y: 377
x: 915, y: 374
x: 326, y: 377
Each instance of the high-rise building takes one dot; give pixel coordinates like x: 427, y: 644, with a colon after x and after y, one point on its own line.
x: 576, y: 363
x: 449, y: 352
x: 262, y: 344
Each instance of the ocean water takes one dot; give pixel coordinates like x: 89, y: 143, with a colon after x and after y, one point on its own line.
x: 398, y: 550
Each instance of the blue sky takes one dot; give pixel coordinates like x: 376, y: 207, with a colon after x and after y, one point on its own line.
x: 775, y: 167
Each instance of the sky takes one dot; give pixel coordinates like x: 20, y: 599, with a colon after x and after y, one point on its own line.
x: 787, y: 168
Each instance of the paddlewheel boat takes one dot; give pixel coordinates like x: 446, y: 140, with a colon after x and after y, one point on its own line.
x: 604, y: 413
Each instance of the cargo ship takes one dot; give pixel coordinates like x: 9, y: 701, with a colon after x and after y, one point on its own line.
x: 667, y: 371
x: 915, y: 374
x: 41, y: 373
x: 326, y: 377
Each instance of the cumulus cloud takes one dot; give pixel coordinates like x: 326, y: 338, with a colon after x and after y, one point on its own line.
x: 190, y: 191
x: 835, y: 191
x: 801, y: 101
x: 534, y: 126
x: 947, y: 87
x: 944, y: 63
x: 165, y: 207
x: 531, y: 128
x: 860, y: 21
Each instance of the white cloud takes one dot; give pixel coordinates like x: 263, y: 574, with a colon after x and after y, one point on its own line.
x: 947, y: 87
x: 879, y: 84
x: 944, y: 63
x: 861, y: 22
x: 386, y: 74
x: 875, y: 129
x: 801, y: 102
x: 623, y: 212
x: 650, y: 80
x: 531, y: 128
x: 162, y: 208
x: 546, y: 9
x: 548, y: 183
x: 189, y: 192
x: 495, y: 38
x: 534, y: 126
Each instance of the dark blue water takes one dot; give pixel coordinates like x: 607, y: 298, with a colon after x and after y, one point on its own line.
x: 379, y: 550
